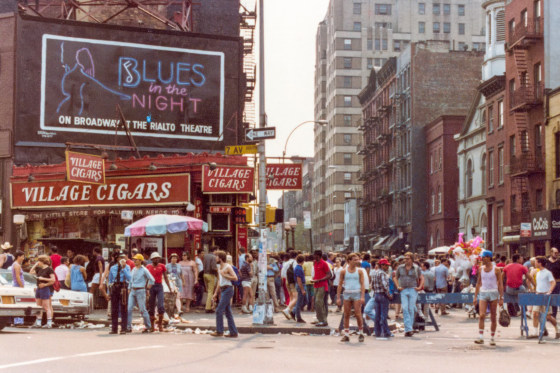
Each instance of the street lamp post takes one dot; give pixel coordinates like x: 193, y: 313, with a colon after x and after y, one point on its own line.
x: 322, y: 122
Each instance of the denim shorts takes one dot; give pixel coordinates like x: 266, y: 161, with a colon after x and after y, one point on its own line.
x: 43, y: 293
x: 351, y: 296
x: 489, y: 295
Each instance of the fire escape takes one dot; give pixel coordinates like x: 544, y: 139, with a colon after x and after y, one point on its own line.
x: 247, y: 29
x: 528, y: 160
x: 163, y: 14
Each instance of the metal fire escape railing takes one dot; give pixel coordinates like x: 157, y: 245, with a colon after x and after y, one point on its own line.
x: 247, y: 30
x: 168, y: 14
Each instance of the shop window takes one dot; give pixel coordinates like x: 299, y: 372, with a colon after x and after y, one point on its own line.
x: 218, y: 222
x: 220, y: 199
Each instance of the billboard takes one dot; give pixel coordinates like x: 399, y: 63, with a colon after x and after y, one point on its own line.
x: 177, y: 91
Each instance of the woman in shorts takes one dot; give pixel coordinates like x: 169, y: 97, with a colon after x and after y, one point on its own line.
x: 352, y: 280
x: 489, y: 291
x: 45, y: 279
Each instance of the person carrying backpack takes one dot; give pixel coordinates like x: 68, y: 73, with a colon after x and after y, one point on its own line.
x: 288, y: 275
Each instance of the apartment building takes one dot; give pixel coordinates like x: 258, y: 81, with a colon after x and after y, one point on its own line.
x: 355, y: 37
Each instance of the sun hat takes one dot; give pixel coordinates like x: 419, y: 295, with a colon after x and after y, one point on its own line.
x: 155, y: 254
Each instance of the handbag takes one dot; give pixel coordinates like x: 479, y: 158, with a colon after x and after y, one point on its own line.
x: 504, y: 319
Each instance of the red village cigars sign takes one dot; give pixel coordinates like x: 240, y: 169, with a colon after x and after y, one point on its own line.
x: 228, y: 179
x: 284, y: 176
x: 85, y: 168
x: 142, y: 190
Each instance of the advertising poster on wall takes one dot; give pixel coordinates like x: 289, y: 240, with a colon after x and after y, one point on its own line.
x: 172, y: 87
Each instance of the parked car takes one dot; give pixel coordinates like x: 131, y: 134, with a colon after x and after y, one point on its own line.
x: 66, y: 303
x: 17, y: 305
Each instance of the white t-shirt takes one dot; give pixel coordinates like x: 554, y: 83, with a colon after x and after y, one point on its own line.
x: 544, y: 277
x: 61, y: 271
x: 336, y: 280
x: 199, y: 264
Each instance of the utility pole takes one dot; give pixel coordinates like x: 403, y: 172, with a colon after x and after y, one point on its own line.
x: 262, y: 305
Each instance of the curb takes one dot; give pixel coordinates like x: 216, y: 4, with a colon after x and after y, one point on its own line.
x: 244, y: 329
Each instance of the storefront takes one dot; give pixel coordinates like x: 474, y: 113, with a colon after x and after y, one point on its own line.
x: 80, y: 216
x: 545, y: 231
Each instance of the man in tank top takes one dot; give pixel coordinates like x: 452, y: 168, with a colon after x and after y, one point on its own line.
x: 489, y: 291
x: 351, y: 280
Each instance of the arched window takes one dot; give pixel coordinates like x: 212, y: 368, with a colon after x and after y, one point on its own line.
x: 433, y: 202
x: 484, y: 227
x: 437, y: 239
x: 469, y: 178
x: 439, y: 199
x: 501, y: 26
x: 483, y: 174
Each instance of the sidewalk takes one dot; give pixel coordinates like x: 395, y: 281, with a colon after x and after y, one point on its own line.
x: 198, y: 319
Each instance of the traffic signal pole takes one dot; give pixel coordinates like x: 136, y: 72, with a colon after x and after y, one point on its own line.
x: 262, y: 304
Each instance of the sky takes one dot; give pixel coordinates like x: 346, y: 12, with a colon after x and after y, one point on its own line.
x: 290, y: 30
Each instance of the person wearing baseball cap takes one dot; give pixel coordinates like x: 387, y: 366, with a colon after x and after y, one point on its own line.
x: 140, y: 279
x: 489, y: 291
x: 380, y: 285
x: 159, y: 272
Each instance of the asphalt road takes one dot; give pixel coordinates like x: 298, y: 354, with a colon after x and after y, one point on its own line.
x: 452, y: 348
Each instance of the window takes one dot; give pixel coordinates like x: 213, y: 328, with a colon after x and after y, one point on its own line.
x: 462, y: 29
x: 537, y: 9
x: 347, y: 82
x: 500, y: 218
x: 446, y: 9
x: 436, y: 27
x: 347, y: 44
x: 383, y: 9
x: 500, y: 26
x: 538, y: 140
x: 490, y: 118
x: 421, y: 8
x: 501, y: 165
x: 539, y: 199
x: 396, y: 45
x: 357, y: 8
x: 347, y: 101
x: 369, y: 44
x: 461, y: 9
x: 469, y: 178
x: 431, y: 163
x: 433, y: 202
x: 347, y: 178
x: 524, y: 141
x: 537, y: 78
x: 387, y: 25
x: 440, y: 159
x: 439, y: 200
x: 500, y: 114
x: 490, y: 168
x: 378, y: 62
x: 385, y: 45
x: 347, y: 120
x: 512, y: 147
x: 347, y: 138
x: 446, y: 27
x: 523, y: 17
x: 347, y: 62
x: 370, y: 63
x: 421, y: 27
x: 512, y: 26
x: 483, y: 174
x: 347, y: 158
x: 357, y: 26
x: 377, y: 44
x: 462, y: 46
x: 436, y: 9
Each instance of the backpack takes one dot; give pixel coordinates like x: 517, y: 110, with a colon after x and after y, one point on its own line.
x: 290, y: 274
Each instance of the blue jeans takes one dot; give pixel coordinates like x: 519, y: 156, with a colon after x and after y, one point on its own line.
x: 381, y: 311
x: 224, y: 306
x: 408, y: 301
x: 301, y: 300
x: 156, y: 292
x: 137, y: 297
x: 310, y: 294
x: 369, y: 309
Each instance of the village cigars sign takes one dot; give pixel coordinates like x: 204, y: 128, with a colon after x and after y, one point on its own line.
x: 85, y: 168
x: 284, y: 176
x: 228, y: 179
x: 141, y: 190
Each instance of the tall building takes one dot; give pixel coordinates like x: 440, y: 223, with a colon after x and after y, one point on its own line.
x: 354, y: 38
x: 429, y: 81
x: 472, y: 156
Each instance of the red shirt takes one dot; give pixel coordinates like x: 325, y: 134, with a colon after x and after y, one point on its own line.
x: 514, y: 273
x: 321, y: 269
x: 501, y: 265
x: 157, y: 272
x: 55, y: 260
x: 130, y: 263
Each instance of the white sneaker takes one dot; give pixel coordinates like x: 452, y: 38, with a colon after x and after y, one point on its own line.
x: 244, y: 309
x: 48, y: 325
x: 36, y: 325
x: 286, y: 313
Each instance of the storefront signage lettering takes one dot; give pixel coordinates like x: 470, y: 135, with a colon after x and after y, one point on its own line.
x: 284, y: 176
x: 540, y: 222
x: 85, y: 168
x: 119, y: 191
x: 228, y: 179
x: 219, y: 209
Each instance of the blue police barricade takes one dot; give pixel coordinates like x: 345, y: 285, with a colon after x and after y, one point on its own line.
x: 531, y: 299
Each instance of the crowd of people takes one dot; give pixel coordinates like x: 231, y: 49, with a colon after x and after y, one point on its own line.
x: 357, y: 284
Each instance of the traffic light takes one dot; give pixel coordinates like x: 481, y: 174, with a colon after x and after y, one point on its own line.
x: 239, y: 215
x: 270, y: 214
x: 248, y: 213
x: 279, y: 215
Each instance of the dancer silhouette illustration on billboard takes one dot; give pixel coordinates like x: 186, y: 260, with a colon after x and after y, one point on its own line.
x: 78, y: 78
